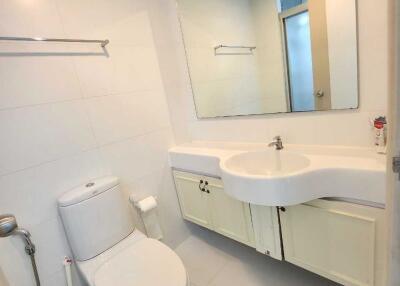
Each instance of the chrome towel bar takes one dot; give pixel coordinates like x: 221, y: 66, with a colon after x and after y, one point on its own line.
x: 103, y: 43
x: 251, y: 48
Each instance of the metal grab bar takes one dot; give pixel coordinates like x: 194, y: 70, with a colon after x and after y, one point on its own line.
x: 251, y: 48
x: 103, y: 43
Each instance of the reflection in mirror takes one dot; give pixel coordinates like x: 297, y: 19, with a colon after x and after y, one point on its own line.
x: 299, y: 63
x: 269, y: 56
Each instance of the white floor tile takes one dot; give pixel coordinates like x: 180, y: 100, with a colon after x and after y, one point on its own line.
x: 213, y: 260
x: 202, y: 261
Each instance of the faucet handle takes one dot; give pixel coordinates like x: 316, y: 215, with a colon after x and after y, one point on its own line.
x: 278, y: 137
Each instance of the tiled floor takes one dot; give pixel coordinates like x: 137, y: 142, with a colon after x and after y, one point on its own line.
x: 212, y: 260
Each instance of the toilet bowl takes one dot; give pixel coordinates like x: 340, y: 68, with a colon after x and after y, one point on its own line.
x: 107, y: 249
x: 137, y: 260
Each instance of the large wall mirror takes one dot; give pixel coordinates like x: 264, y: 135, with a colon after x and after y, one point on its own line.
x: 269, y: 56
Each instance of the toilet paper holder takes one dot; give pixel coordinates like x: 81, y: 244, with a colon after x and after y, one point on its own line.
x: 148, y: 213
x: 143, y: 205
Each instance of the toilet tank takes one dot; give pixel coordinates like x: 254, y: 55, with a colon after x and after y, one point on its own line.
x: 95, y: 217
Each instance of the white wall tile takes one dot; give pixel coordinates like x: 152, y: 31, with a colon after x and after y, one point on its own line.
x: 179, y: 100
x: 94, y: 72
x: 17, y: 271
x: 50, y: 252
x: 123, y: 21
x: 34, y: 135
x: 32, y: 194
x: 36, y: 73
x: 37, y: 18
x: 373, y: 55
x: 122, y: 69
x: 135, y: 158
x: 135, y: 68
x: 124, y: 116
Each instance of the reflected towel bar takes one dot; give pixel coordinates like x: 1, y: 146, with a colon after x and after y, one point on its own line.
x: 103, y: 43
x: 234, y: 47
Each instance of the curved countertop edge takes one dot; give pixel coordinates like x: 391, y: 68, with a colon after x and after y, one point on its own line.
x: 207, y: 161
x: 283, y: 191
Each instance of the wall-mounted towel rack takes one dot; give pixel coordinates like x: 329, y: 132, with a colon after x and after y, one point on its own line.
x: 235, y: 47
x: 103, y: 43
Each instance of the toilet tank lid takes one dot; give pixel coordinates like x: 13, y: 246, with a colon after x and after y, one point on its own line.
x: 87, y: 191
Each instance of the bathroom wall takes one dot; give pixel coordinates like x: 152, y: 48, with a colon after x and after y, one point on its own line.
x: 341, y: 28
x: 70, y: 113
x: 350, y: 127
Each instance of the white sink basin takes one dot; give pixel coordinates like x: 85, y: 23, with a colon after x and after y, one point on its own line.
x: 260, y: 175
x: 265, y: 164
x: 282, y: 178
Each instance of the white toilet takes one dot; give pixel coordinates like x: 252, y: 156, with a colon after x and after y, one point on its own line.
x: 107, y: 249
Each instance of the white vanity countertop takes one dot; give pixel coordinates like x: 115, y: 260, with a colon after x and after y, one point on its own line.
x: 204, y: 157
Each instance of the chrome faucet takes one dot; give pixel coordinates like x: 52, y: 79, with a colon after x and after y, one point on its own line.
x: 277, y: 143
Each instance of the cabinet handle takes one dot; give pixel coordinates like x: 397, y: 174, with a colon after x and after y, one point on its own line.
x: 207, y: 190
x: 200, y: 187
x: 282, y: 209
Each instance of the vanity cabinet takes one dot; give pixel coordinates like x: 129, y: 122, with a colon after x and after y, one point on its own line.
x: 341, y: 241
x: 344, y: 242
x: 266, y: 230
x: 204, y: 202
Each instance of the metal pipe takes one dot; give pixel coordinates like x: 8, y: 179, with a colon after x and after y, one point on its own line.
x: 8, y: 227
x: 30, y: 249
x: 34, y: 267
x: 103, y: 43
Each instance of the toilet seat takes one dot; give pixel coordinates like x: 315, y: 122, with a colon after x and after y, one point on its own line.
x: 135, y: 261
x: 146, y: 263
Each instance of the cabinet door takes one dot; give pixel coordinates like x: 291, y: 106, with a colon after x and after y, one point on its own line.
x: 340, y: 241
x: 230, y: 217
x: 266, y: 230
x: 193, y: 202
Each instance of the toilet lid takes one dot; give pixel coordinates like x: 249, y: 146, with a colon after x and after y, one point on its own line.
x: 146, y: 263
